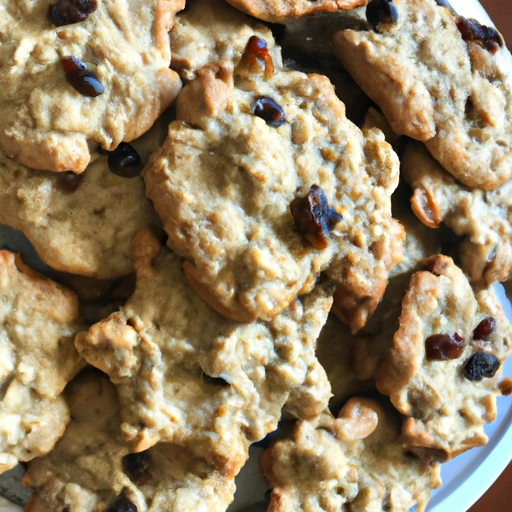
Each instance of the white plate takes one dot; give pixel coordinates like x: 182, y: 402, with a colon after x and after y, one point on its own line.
x: 466, y: 478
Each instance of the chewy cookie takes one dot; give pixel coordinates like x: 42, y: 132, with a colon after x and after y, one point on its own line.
x: 449, y: 344
x: 354, y: 462
x: 187, y: 375
x: 91, y: 468
x: 38, y: 320
x: 441, y: 79
x: 79, y: 76
x: 263, y: 183
x: 282, y: 10
x: 482, y: 218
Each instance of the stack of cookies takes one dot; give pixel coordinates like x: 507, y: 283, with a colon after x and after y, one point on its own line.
x: 268, y: 217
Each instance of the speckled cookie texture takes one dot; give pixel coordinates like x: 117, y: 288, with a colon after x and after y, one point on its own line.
x: 38, y: 320
x: 439, y: 82
x: 429, y: 372
x: 92, y: 470
x: 45, y: 123
x: 481, y: 218
x: 82, y: 224
x: 236, y: 192
x: 282, y: 10
x: 212, y: 32
x: 354, y: 462
x: 187, y: 375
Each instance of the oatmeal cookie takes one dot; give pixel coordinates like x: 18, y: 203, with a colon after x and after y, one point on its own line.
x: 438, y: 373
x: 263, y: 183
x: 52, y: 116
x: 441, y: 79
x: 187, y: 375
x: 282, y: 10
x: 91, y: 469
x: 212, y: 32
x: 354, y: 462
x: 482, y: 218
x: 82, y: 223
x: 38, y: 320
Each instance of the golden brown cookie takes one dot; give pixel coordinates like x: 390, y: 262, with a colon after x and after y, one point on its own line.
x: 71, y: 83
x: 38, y: 320
x: 441, y: 79
x: 92, y: 470
x: 187, y: 375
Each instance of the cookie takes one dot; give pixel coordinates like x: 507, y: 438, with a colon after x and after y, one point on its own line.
x: 187, y: 375
x: 212, y: 32
x: 72, y: 83
x: 82, y: 223
x: 38, y: 320
x: 439, y: 371
x: 354, y: 462
x: 482, y: 218
x: 278, y: 11
x: 263, y: 183
x: 91, y: 468
x: 441, y: 79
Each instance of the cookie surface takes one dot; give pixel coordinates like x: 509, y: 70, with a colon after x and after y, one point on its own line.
x: 354, y: 462
x: 92, y: 470
x: 482, y: 218
x: 235, y: 194
x: 38, y: 320
x: 439, y: 82
x: 429, y: 373
x: 281, y: 10
x: 187, y: 375
x: 45, y: 123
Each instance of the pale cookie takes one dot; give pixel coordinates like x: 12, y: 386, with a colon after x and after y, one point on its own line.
x: 38, y: 320
x: 449, y: 344
x: 282, y: 10
x: 45, y: 122
x: 213, y: 32
x: 187, y: 375
x: 263, y: 183
x: 482, y: 218
x: 441, y: 79
x: 82, y: 223
x: 354, y: 463
x: 91, y: 469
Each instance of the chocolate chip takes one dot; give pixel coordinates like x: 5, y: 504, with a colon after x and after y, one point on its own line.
x: 269, y: 111
x: 381, y: 15
x: 486, y: 37
x: 124, y: 161
x: 480, y: 365
x: 256, y: 56
x: 67, y: 12
x: 136, y: 466
x: 314, y: 217
x: 442, y: 347
x: 80, y: 78
x: 485, y: 328
x: 122, y: 504
x: 68, y: 182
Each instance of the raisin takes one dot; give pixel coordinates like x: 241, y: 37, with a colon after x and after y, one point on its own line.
x: 122, y: 504
x: 269, y: 111
x: 381, y: 15
x: 257, y: 56
x: 67, y: 12
x: 487, y: 37
x: 68, y: 182
x: 485, y: 328
x: 480, y: 365
x: 79, y: 76
x: 215, y: 381
x: 314, y: 217
x: 124, y: 161
x: 441, y: 347
x: 136, y: 466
